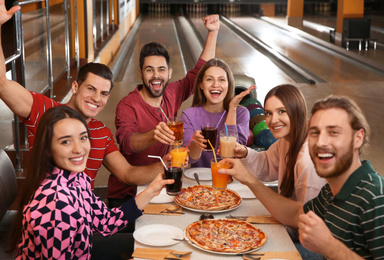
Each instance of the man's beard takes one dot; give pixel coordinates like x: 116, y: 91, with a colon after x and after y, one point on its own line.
x: 342, y: 164
x: 155, y: 94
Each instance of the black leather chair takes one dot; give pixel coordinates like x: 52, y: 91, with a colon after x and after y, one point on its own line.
x: 8, y: 184
x: 8, y: 191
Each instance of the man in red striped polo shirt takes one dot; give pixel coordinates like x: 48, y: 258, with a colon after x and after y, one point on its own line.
x: 90, y: 93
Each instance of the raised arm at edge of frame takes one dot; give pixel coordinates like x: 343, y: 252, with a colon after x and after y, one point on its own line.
x: 15, y: 96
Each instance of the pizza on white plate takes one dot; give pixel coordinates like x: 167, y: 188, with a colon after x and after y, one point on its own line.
x: 204, y: 197
x: 225, y: 235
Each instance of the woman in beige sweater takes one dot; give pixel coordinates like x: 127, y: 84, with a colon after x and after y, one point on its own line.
x: 287, y: 160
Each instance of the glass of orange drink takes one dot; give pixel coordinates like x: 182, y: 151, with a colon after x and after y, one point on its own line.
x: 219, y: 181
x: 179, y: 154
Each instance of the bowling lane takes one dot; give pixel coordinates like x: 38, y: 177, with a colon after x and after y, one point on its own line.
x: 325, y: 64
x: 244, y: 59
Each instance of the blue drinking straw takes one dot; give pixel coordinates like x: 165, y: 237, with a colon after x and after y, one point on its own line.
x: 226, y: 130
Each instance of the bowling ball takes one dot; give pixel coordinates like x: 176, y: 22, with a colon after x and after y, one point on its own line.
x: 256, y: 119
x: 259, y: 127
x: 265, y: 138
x: 253, y: 106
x: 250, y: 138
x: 256, y: 111
x: 249, y: 101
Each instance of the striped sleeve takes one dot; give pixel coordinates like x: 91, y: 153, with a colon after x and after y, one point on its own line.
x: 373, y: 218
x: 102, y: 144
x: 40, y: 104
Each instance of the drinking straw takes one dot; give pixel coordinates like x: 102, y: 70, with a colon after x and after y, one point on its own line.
x: 213, y: 150
x: 190, y: 140
x: 161, y: 159
x: 163, y: 113
x: 226, y: 130
x: 218, y: 122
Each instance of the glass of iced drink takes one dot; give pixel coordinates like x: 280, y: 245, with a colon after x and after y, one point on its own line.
x: 174, y: 171
x: 219, y: 181
x: 177, y: 127
x: 210, y: 133
x: 179, y: 154
x: 227, y: 143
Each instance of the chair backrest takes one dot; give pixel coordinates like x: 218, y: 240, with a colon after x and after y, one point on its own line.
x: 8, y: 183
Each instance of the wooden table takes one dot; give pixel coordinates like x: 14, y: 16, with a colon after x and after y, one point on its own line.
x: 278, y: 238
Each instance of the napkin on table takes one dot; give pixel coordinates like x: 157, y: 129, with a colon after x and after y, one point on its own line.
x: 289, y: 255
x: 157, y: 254
x: 265, y: 219
x: 161, y: 209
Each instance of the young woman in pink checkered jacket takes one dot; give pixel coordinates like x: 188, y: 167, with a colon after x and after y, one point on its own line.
x: 58, y: 212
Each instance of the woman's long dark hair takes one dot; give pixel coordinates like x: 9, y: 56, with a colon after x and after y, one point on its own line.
x: 199, y: 98
x: 296, y: 107
x: 41, y: 162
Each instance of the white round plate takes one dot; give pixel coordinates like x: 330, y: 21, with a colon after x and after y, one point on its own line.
x: 215, y: 252
x: 158, y: 235
x: 163, y: 197
x: 204, y: 173
x: 209, y: 211
x: 242, y: 190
